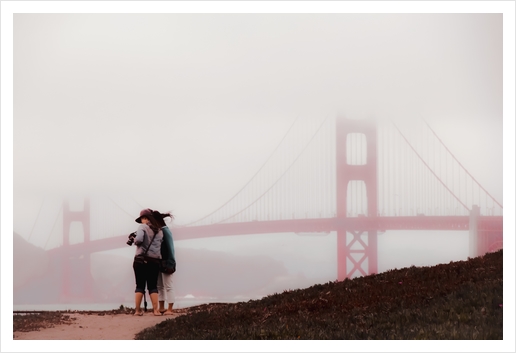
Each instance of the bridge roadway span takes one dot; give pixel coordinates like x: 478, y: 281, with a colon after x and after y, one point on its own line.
x: 317, y: 225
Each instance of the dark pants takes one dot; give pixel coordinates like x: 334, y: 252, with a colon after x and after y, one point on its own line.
x: 146, y: 274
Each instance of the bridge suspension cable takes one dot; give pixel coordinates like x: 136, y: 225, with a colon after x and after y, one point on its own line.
x: 419, y: 175
x: 281, y: 176
x: 467, y: 172
x: 278, y: 202
x: 37, y: 218
x: 119, y: 207
x: 250, y: 180
x: 52, y: 230
x: 430, y: 169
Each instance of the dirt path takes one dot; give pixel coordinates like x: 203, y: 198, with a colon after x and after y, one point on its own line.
x: 96, y: 327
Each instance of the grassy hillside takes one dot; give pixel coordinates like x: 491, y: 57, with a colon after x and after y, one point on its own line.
x: 459, y: 300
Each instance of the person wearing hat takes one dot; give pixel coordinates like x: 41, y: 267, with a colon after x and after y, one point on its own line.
x: 146, y: 264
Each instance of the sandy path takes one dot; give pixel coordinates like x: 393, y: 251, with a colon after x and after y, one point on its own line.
x: 96, y: 327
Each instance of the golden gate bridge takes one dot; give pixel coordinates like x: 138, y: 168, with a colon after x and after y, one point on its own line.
x: 358, y: 178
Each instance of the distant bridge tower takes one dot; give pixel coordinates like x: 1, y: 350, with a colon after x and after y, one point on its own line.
x: 366, y: 247
x: 485, y: 233
x: 77, y: 281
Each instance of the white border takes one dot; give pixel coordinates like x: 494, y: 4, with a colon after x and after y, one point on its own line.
x: 8, y: 8
x: 255, y: 6
x: 509, y: 149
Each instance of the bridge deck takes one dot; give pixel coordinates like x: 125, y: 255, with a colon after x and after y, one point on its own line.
x: 300, y: 226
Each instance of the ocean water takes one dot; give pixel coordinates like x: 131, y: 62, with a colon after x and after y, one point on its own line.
x: 179, y: 304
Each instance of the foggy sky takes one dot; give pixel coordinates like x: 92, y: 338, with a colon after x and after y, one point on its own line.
x: 100, y: 99
x: 178, y: 111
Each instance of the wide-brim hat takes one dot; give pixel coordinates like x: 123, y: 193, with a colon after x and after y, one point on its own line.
x: 145, y: 212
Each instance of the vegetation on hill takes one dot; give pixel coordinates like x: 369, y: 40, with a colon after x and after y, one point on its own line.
x: 459, y: 300
x: 26, y: 322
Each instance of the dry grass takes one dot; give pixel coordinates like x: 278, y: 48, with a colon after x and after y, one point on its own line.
x: 459, y: 300
x: 25, y: 322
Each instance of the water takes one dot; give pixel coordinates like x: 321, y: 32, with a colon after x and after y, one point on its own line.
x: 181, y: 303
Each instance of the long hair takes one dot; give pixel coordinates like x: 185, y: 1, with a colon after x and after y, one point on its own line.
x: 160, y: 218
x: 154, y: 223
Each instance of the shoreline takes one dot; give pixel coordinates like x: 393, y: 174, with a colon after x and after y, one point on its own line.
x: 84, y: 325
x: 180, y: 303
x: 117, y: 324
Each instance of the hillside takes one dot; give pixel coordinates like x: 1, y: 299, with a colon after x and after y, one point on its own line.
x: 459, y: 300
x: 29, y: 261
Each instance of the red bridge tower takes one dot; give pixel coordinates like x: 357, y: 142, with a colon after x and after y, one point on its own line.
x: 365, y: 246
x: 76, y: 274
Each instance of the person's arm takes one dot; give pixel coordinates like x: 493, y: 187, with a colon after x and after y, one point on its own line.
x: 140, y: 234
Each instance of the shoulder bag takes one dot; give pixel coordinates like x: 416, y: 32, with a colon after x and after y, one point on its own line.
x: 141, y: 259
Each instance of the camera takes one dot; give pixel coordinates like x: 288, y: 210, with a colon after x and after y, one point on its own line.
x: 131, y: 238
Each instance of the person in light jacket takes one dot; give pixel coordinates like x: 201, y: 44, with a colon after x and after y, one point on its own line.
x: 166, y: 280
x: 148, y: 241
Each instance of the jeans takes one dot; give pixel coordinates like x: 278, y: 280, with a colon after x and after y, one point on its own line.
x: 146, y: 274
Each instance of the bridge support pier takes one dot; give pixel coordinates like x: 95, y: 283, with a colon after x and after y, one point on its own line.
x: 354, y: 251
x: 485, y: 234
x: 473, y: 231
